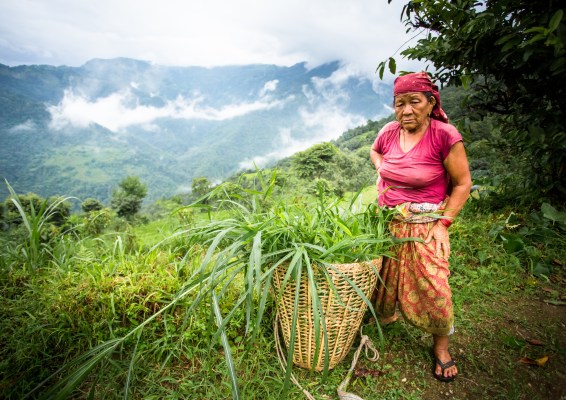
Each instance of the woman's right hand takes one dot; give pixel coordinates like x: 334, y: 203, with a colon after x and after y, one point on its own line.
x: 439, y: 233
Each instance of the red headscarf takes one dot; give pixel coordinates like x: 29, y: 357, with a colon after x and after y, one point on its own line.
x: 420, y: 82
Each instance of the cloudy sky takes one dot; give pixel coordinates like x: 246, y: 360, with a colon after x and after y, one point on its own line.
x: 361, y: 33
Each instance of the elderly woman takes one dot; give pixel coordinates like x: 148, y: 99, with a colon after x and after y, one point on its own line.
x: 423, y: 172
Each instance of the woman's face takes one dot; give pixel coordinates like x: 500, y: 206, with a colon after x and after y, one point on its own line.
x: 412, y: 110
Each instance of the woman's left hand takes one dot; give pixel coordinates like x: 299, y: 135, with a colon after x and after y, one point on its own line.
x: 439, y: 233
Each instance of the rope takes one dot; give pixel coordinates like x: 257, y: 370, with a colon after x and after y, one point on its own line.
x: 365, y: 344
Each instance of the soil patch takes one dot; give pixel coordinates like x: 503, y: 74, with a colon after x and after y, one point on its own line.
x: 492, y: 354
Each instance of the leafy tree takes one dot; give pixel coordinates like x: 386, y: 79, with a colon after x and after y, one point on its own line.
x: 95, y: 221
x: 91, y: 204
x: 200, y: 186
x: 314, y: 161
x: 127, y: 198
x: 353, y: 170
x: 96, y: 217
x: 512, y: 56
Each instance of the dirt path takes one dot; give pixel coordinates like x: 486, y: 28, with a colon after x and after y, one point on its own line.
x: 491, y: 350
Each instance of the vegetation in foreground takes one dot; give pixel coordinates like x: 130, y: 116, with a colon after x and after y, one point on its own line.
x: 113, y: 311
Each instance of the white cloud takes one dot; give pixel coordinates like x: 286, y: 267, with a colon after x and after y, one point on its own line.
x: 115, y: 112
x: 328, y: 117
x: 330, y: 90
x: 269, y: 86
x: 324, y: 124
x: 325, y: 119
x: 330, y: 122
x: 190, y: 110
x: 27, y: 126
x: 286, y: 146
x: 217, y: 32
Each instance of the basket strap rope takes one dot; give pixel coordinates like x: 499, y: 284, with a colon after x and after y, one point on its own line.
x: 281, y: 357
x: 367, y: 345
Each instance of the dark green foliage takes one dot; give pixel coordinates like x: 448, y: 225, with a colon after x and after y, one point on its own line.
x: 314, y: 161
x: 338, y: 170
x: 354, y: 169
x: 91, y: 204
x: 94, y: 222
x: 200, y: 186
x: 533, y: 238
x: 512, y: 56
x: 127, y: 198
x: 363, y: 135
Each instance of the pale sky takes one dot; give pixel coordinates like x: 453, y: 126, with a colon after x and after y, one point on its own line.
x: 360, y: 33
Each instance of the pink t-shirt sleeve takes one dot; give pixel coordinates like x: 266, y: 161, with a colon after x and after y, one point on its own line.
x: 450, y: 137
x: 385, y: 137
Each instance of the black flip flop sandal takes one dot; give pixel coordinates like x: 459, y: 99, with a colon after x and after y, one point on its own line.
x: 443, y: 367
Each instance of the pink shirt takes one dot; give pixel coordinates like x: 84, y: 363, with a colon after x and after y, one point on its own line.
x: 418, y: 175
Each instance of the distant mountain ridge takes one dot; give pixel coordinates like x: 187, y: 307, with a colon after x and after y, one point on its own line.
x: 79, y: 130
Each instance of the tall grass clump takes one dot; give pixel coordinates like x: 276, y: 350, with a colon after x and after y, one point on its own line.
x: 36, y: 248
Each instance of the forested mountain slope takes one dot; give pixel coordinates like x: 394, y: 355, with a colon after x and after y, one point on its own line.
x: 78, y: 131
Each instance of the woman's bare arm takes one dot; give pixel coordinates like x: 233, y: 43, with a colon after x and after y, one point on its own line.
x: 457, y: 166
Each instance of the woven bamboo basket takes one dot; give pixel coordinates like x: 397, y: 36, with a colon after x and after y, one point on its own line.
x: 342, y: 315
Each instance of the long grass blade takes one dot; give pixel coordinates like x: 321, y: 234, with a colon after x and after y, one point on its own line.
x: 255, y: 282
x: 298, y: 261
x: 318, y: 316
x: 131, y: 367
x: 262, y: 305
x: 227, y: 350
x: 82, y: 365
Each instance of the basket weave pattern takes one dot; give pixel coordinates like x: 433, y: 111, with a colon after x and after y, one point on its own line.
x: 342, y: 315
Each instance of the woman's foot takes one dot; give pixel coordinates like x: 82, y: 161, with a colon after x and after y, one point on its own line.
x: 445, y: 368
x: 388, y: 320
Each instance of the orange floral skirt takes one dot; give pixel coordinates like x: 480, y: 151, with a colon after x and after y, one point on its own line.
x: 417, y: 280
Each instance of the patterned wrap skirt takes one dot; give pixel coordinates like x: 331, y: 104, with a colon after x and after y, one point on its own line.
x: 416, y: 279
